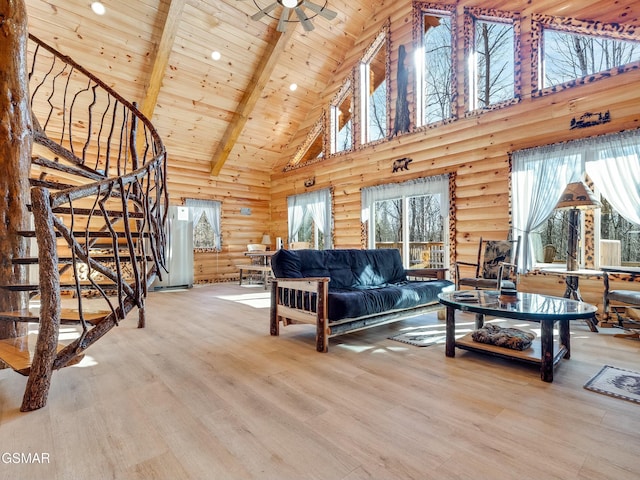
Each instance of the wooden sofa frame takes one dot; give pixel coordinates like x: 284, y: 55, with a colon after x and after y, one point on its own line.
x: 305, y: 300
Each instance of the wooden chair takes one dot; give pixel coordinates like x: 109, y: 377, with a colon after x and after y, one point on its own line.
x: 495, y: 268
x: 623, y: 303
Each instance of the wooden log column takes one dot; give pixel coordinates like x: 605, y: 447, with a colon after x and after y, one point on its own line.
x: 15, y: 152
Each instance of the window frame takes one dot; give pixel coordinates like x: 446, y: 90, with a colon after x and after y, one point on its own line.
x: 341, y: 96
x: 381, y: 40
x: 421, y: 9
x: 405, y: 191
x: 540, y: 22
x: 471, y: 17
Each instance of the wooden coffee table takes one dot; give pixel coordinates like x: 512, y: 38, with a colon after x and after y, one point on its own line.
x: 531, y: 307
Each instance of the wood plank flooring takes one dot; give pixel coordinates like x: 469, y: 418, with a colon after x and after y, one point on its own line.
x: 204, y: 392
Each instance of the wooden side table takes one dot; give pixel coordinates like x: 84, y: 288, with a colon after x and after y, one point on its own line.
x: 571, y: 280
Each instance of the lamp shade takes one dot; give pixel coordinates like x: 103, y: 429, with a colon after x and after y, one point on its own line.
x: 578, y: 195
x: 266, y: 239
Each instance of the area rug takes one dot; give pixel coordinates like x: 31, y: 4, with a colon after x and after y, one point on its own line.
x: 425, y: 336
x: 616, y: 382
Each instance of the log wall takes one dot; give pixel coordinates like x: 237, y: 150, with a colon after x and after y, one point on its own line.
x: 474, y: 147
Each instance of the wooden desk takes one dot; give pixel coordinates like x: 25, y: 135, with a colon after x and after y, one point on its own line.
x: 264, y: 270
x: 260, y: 257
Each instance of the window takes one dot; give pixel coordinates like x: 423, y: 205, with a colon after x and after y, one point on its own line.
x: 411, y: 217
x: 310, y: 218
x: 612, y: 163
x: 434, y: 67
x: 569, y: 56
x: 342, y: 120
x: 566, y: 54
x: 313, y: 147
x: 373, y: 88
x: 491, y: 61
x: 206, y: 223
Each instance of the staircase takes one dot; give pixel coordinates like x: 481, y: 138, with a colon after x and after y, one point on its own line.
x: 98, y: 210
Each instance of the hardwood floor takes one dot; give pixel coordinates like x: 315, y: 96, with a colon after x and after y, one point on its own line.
x: 205, y: 393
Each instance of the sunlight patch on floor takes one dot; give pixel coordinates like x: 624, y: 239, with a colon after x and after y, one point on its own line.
x: 254, y: 300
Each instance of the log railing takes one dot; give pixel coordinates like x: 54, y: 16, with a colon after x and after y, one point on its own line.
x: 109, y: 166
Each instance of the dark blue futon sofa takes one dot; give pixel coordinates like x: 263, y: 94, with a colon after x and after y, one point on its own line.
x: 341, y: 291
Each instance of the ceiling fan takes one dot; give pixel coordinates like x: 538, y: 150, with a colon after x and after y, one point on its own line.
x: 298, y: 7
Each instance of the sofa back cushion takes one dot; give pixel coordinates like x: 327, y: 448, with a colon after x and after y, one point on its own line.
x: 347, y: 268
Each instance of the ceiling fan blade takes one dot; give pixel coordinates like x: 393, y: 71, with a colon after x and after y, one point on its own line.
x: 322, y: 11
x: 282, y: 23
x: 306, y: 23
x: 258, y: 15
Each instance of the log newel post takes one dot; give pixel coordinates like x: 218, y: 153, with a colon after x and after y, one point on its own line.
x: 35, y: 395
x: 15, y: 156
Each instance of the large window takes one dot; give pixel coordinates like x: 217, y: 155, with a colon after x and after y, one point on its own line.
x: 491, y: 62
x: 206, y: 223
x: 373, y: 88
x: 434, y: 68
x: 612, y: 163
x: 310, y: 220
x: 411, y: 217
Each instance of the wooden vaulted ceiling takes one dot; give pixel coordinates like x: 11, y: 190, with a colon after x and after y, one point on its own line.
x: 237, y: 112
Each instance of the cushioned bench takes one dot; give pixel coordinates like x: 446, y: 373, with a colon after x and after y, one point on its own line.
x: 341, y: 291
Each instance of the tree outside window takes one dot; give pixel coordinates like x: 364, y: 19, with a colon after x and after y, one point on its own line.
x: 569, y: 56
x: 434, y: 69
x: 491, y: 76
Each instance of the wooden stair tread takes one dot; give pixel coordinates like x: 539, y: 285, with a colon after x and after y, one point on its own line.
x: 67, y: 315
x: 84, y: 285
x: 97, y: 258
x: 100, y: 234
x: 18, y: 352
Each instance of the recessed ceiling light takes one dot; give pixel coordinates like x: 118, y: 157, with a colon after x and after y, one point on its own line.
x: 216, y: 55
x: 293, y: 87
x: 98, y: 8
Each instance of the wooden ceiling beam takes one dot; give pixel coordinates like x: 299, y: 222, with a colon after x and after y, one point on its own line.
x: 162, y: 54
x: 251, y: 96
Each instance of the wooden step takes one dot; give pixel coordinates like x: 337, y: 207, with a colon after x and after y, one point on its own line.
x: 87, y: 212
x: 97, y: 258
x: 18, y: 352
x: 84, y: 285
x: 67, y: 316
x: 100, y: 234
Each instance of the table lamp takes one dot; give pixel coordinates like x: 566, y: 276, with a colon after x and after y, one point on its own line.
x: 266, y: 240
x: 576, y: 197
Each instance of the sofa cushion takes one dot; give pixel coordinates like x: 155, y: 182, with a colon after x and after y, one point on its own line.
x: 353, y: 303
x: 347, y: 268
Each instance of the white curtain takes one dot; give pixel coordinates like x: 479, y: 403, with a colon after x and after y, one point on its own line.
x: 436, y: 185
x: 615, y: 170
x: 318, y: 203
x: 539, y: 178
x: 211, y: 210
x: 540, y: 175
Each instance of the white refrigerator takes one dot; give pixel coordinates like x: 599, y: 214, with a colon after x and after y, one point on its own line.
x: 179, y: 250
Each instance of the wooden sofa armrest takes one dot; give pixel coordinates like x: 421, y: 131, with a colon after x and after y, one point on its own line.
x: 301, y: 300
